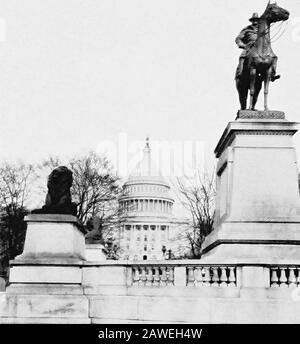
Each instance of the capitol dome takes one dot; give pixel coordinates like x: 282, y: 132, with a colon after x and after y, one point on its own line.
x: 148, y: 207
x: 146, y: 170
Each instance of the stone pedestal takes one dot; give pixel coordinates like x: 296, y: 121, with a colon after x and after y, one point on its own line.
x: 257, y: 203
x: 95, y: 252
x: 53, y: 236
x: 45, y: 281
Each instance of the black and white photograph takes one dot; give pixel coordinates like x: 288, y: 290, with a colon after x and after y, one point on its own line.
x: 149, y: 165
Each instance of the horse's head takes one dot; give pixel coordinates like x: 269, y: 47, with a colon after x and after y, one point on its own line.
x: 274, y: 13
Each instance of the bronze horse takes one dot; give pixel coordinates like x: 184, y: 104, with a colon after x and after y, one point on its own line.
x: 260, y: 59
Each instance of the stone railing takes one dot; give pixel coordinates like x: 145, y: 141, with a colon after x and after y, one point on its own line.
x: 190, y: 274
x: 150, y: 275
x: 211, y: 276
x: 284, y: 276
x: 170, y: 273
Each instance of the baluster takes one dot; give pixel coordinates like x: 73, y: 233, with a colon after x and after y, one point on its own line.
x: 191, y: 277
x: 167, y: 275
x: 232, y: 278
x: 283, y: 278
x: 215, y: 276
x: 136, y: 275
x: 163, y: 278
x: 292, y: 277
x: 223, y: 277
x: 198, y: 276
x: 274, y: 277
x: 206, y: 279
x: 171, y: 276
x: 143, y: 277
x: 156, y: 276
x: 298, y: 277
x: 149, y: 281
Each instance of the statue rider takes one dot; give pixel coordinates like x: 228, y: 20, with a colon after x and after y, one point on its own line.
x: 245, y: 41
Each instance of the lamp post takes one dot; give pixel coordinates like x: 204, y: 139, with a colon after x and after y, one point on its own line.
x: 164, y: 249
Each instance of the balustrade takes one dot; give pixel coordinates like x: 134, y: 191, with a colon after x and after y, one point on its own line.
x: 147, y: 275
x: 211, y: 276
x: 199, y: 276
x: 284, y: 276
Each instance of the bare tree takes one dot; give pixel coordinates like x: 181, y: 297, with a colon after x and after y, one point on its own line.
x: 198, y: 197
x: 95, y: 187
x: 15, y: 186
x: 104, y: 225
x: 95, y: 190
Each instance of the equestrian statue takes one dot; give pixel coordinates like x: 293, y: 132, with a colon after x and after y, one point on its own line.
x: 257, y: 63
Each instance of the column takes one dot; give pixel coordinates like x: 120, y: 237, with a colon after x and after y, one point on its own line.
x: 157, y: 237
x: 131, y: 233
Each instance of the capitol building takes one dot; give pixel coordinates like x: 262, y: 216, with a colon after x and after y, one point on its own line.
x: 145, y: 235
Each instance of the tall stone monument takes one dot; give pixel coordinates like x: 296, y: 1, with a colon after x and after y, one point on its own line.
x: 258, y: 204
x: 46, y: 278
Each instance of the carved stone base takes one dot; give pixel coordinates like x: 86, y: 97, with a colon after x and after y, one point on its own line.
x: 53, y: 236
x: 255, y: 114
x: 257, y: 201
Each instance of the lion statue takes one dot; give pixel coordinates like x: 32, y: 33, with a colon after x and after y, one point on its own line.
x: 58, y: 199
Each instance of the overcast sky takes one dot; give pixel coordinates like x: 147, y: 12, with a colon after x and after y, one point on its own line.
x: 74, y: 73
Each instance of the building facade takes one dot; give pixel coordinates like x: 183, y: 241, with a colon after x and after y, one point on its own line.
x: 145, y: 235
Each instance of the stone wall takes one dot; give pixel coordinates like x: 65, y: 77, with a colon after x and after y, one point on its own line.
x: 159, y: 292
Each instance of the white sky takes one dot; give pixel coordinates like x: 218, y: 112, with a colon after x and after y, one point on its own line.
x: 74, y: 73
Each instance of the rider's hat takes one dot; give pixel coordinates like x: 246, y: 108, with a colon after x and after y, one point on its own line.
x: 254, y: 17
